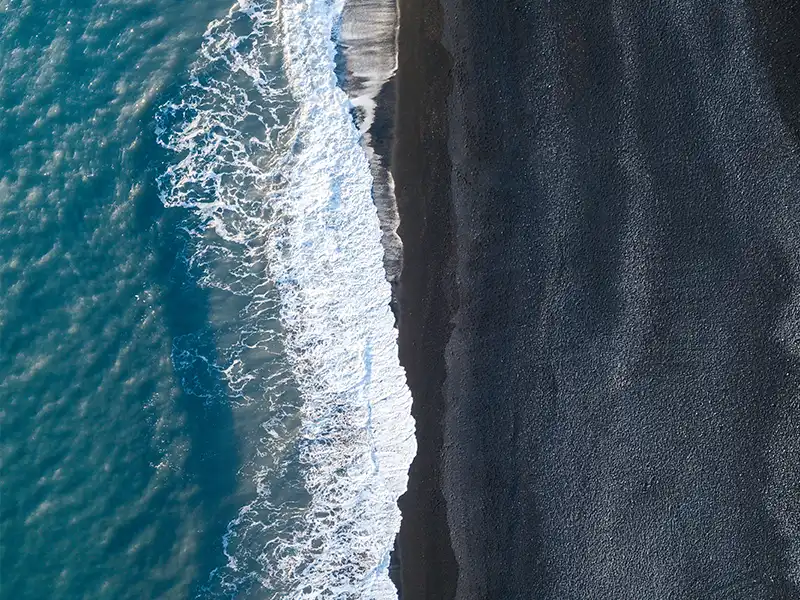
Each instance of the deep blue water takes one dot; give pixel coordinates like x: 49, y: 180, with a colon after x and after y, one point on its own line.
x: 94, y: 295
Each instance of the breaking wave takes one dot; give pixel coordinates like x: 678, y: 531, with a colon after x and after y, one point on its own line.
x: 283, y: 225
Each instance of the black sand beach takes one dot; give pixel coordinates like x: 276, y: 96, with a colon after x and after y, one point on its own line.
x: 599, y: 307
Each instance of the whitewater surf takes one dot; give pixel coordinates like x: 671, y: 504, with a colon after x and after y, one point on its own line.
x: 270, y: 164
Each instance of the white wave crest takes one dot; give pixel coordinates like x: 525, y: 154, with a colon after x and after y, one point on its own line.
x: 270, y: 161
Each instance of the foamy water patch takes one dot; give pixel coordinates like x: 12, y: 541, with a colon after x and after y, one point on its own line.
x: 270, y: 162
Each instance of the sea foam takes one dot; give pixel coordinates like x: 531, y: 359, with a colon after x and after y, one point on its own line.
x: 270, y: 163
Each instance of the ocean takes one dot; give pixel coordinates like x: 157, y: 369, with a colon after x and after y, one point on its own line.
x: 200, y: 392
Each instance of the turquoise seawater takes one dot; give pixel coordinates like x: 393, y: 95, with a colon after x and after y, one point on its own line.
x: 116, y: 478
x: 93, y: 297
x: 199, y: 388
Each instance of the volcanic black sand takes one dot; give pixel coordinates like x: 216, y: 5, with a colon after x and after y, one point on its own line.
x: 600, y: 298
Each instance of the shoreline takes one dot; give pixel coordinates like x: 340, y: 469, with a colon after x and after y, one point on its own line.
x: 367, y: 44
x: 388, y: 79
x: 421, y: 169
